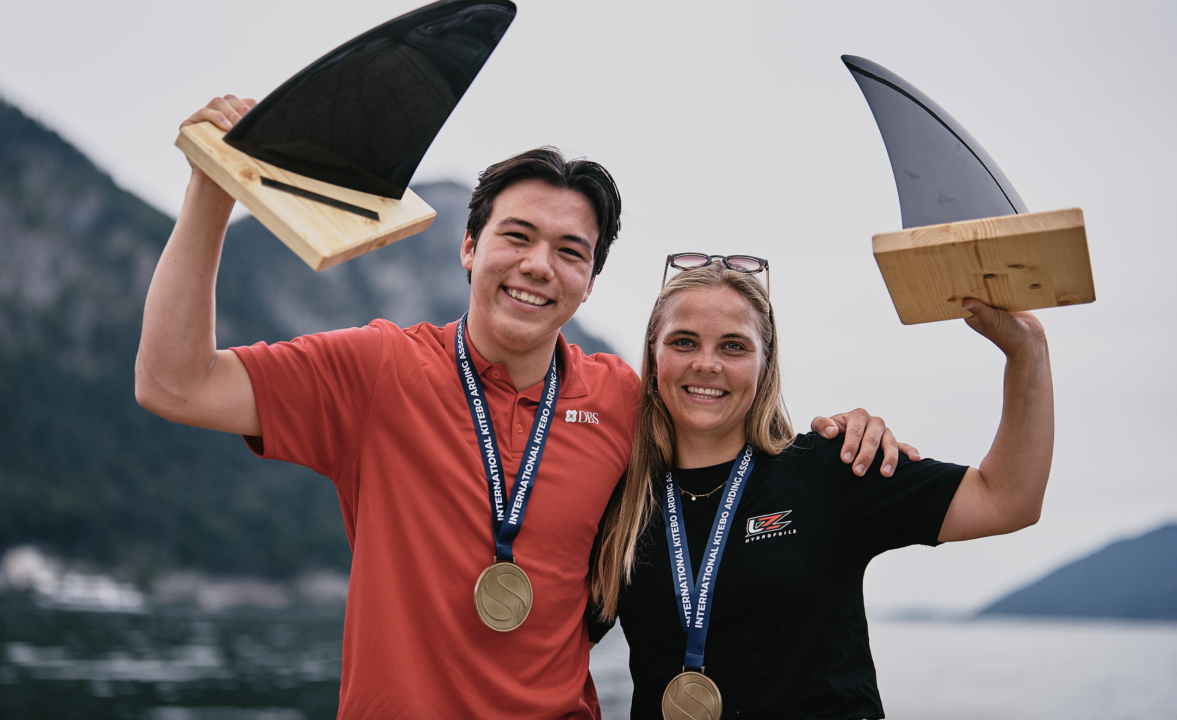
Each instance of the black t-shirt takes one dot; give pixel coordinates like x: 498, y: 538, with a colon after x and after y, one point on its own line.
x: 788, y: 634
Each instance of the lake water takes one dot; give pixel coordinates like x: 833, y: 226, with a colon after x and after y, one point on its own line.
x: 1007, y: 669
x: 176, y: 664
x: 169, y: 664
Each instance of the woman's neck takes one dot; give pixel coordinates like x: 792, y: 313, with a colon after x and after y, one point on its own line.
x: 696, y: 450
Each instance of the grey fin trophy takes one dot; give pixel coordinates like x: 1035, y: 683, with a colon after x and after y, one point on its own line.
x: 967, y: 232
x: 325, y: 160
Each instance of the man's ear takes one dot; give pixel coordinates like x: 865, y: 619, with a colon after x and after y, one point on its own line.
x: 468, y: 244
x: 588, y: 290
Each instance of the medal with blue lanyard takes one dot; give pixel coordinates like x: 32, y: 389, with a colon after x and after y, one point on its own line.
x: 502, y: 594
x: 691, y: 694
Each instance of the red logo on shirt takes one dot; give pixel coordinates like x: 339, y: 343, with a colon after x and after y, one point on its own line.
x: 767, y: 523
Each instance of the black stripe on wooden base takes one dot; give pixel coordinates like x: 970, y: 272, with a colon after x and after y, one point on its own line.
x: 356, y: 209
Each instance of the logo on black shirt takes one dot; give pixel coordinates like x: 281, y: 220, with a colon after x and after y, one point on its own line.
x: 770, y: 525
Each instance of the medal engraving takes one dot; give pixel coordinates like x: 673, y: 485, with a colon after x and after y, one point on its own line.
x: 691, y: 696
x: 502, y: 596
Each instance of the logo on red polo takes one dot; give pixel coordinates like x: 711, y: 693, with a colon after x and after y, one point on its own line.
x: 581, y: 416
x: 771, y: 523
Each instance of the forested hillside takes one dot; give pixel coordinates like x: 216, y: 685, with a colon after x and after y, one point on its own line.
x: 86, y: 473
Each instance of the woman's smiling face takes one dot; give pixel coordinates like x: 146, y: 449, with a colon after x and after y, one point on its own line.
x: 709, y: 356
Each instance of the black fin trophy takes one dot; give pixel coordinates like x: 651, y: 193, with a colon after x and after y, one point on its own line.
x: 967, y: 232
x: 324, y: 161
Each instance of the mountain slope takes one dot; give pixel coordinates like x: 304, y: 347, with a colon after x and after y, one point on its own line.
x: 87, y: 473
x: 1134, y: 578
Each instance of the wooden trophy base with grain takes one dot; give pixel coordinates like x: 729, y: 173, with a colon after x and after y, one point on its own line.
x: 1013, y: 262
x: 323, y: 224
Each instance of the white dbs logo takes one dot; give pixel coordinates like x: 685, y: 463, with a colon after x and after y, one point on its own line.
x: 581, y: 416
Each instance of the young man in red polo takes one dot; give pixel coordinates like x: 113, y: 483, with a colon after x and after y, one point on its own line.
x: 467, y: 588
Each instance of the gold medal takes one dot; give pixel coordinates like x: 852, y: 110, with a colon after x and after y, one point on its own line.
x: 502, y: 596
x: 691, y: 696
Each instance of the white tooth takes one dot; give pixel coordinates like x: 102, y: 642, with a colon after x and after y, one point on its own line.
x: 526, y: 297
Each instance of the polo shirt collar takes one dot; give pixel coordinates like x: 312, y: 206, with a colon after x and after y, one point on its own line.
x: 571, y: 380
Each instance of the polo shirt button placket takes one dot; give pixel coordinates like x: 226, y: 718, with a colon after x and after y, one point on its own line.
x: 517, y: 414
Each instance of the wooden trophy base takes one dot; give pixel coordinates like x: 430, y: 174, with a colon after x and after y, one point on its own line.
x: 1013, y: 262
x: 337, y: 225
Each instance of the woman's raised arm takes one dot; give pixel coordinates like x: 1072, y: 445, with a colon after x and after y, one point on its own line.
x: 1005, y: 493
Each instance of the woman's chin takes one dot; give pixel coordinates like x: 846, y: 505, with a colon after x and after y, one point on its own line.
x: 706, y: 429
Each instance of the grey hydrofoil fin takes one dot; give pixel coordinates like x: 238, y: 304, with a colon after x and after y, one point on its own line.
x: 942, y: 173
x: 967, y: 233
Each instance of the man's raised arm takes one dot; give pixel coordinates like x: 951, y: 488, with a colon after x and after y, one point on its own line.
x: 179, y: 373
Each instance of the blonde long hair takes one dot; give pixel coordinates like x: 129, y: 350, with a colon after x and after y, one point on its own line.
x: 767, y: 427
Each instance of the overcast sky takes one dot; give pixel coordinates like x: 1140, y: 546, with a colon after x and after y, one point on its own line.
x: 734, y: 128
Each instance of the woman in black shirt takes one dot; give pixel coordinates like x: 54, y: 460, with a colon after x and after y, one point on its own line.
x: 717, y: 479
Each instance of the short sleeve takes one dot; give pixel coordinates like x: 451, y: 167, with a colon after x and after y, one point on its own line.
x: 882, y: 513
x: 597, y: 628
x: 313, y: 395
x: 631, y: 391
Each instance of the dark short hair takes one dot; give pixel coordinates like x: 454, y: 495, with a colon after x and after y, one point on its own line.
x: 549, y: 165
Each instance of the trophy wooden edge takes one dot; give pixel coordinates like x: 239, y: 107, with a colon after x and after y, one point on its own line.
x: 321, y: 235
x: 1015, y: 262
x: 980, y: 229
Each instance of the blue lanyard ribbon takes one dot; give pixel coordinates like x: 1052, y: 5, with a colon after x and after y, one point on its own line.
x: 506, y: 520
x: 695, y: 597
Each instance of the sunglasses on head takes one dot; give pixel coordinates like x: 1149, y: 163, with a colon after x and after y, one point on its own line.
x: 740, y: 263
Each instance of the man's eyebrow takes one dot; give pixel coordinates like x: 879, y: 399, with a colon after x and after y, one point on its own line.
x: 517, y: 221
x: 520, y: 222
x: 580, y: 241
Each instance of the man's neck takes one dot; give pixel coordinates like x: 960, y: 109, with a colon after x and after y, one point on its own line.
x: 525, y: 367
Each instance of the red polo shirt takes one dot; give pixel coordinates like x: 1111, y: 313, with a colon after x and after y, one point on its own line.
x: 380, y: 411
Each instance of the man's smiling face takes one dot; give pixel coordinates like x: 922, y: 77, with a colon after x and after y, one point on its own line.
x: 532, y: 267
